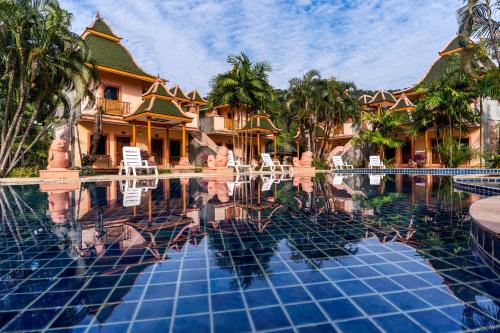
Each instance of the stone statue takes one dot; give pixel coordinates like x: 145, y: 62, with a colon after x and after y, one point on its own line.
x: 305, y: 182
x: 220, y: 160
x: 305, y: 161
x: 58, y: 206
x: 58, y: 155
x: 219, y: 189
x: 184, y: 161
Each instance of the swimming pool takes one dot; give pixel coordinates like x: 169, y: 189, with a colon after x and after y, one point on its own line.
x: 354, y: 253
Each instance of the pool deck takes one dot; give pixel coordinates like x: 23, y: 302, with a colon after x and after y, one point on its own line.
x: 486, y: 212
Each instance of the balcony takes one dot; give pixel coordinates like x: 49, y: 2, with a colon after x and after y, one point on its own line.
x: 113, y: 107
x: 214, y: 124
x: 230, y: 124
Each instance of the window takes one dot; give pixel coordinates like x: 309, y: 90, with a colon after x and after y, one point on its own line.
x: 229, y: 115
x: 111, y: 92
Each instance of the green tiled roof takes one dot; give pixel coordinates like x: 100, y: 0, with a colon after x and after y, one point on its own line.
x: 383, y: 96
x: 264, y: 124
x: 452, y: 45
x: 365, y: 99
x: 405, y: 117
x: 194, y: 95
x: 158, y: 88
x: 160, y: 106
x: 100, y: 26
x: 177, y: 92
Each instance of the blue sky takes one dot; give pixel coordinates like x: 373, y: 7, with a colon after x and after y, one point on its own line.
x: 378, y: 44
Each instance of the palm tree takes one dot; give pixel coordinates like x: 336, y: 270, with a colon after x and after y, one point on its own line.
x: 477, y: 19
x: 304, y: 99
x: 244, y: 87
x: 40, y: 60
x: 384, y: 128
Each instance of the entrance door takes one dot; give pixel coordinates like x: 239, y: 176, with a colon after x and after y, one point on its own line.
x: 175, y: 151
x: 121, y: 142
x: 157, y: 148
x: 406, y: 152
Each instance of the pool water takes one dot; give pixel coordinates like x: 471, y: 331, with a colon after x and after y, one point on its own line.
x: 345, y: 253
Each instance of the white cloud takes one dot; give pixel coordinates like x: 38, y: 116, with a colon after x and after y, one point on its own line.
x: 376, y: 43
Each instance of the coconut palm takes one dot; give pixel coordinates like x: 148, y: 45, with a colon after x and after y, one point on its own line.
x: 304, y: 99
x: 40, y: 60
x: 244, y: 87
x: 477, y: 19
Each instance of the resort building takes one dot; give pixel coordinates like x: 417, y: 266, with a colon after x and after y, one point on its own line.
x: 135, y: 108
x: 425, y: 143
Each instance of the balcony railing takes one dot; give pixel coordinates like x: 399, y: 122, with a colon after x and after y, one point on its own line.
x: 230, y: 124
x: 112, y: 107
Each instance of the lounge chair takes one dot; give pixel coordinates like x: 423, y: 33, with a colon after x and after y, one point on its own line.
x: 268, y: 162
x: 267, y: 182
x: 375, y: 179
x: 338, y: 163
x: 236, y: 164
x: 375, y: 162
x: 132, y: 161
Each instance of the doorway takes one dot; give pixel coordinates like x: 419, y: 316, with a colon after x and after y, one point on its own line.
x: 121, y: 141
x: 175, y: 151
x: 406, y: 152
x: 157, y: 150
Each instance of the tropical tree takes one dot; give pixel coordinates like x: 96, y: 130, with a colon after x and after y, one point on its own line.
x: 304, y: 99
x: 477, y: 19
x: 383, y: 130
x: 40, y: 60
x: 244, y: 87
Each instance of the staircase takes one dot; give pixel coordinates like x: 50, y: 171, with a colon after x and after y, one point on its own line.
x: 340, y: 150
x: 200, y: 146
x: 201, y: 139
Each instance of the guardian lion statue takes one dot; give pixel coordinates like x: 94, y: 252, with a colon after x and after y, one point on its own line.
x: 220, y: 160
x: 58, y: 155
x: 305, y: 161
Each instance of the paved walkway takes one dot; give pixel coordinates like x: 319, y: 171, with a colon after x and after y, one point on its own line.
x: 486, y: 212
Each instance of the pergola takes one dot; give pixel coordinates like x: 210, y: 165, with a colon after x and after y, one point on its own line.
x: 405, y: 106
x: 260, y: 124
x: 159, y: 107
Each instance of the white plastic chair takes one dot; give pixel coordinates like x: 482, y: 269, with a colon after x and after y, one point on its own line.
x: 131, y: 194
x: 236, y: 164
x: 268, y: 162
x: 267, y: 182
x: 340, y: 164
x: 132, y: 161
x: 375, y: 162
x: 337, y: 180
x: 375, y: 179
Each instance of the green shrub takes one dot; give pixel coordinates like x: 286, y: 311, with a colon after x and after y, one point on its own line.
x: 24, y: 172
x: 320, y: 164
x: 164, y: 171
x: 492, y: 160
x: 198, y: 170
x: 87, y: 171
x: 454, y: 153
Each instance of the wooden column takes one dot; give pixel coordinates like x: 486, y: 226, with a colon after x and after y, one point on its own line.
x: 149, y: 136
x: 134, y: 134
x: 258, y: 143
x: 298, y: 149
x: 428, y: 149
x: 412, y: 147
x: 183, y: 148
x: 167, y: 147
x: 275, y: 147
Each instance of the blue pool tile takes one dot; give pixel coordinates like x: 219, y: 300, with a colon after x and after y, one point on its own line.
x: 286, y: 279
x: 191, y: 305
x: 358, y: 326
x: 363, y: 272
x: 398, y: 323
x: 306, y: 313
x: 228, y: 301
x: 223, y: 285
x: 324, y: 290
x: 410, y: 281
x: 437, y: 296
x: 310, y: 277
x: 111, y: 328
x: 388, y: 269
x: 193, y: 275
x: 383, y: 284
x: 155, y: 309
x: 164, y: 277
x: 354, y: 287
x: 337, y: 274
x: 201, y: 323
x: 340, y: 309
x: 374, y: 305
x: 258, y: 298
x: 435, y: 321
x: 160, y: 291
x: 122, y: 312
x: 155, y: 325
x: 406, y: 301
x: 269, y: 318
x: 322, y: 328
x: 231, y: 322
x: 292, y: 294
x: 193, y: 288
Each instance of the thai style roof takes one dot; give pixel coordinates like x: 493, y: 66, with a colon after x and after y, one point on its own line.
x: 259, y: 123
x: 109, y: 54
x: 319, y: 132
x: 158, y: 89
x: 382, y: 96
x: 403, y: 103
x: 441, y: 64
x: 365, y: 99
x: 158, y: 103
x: 178, y: 93
x: 405, y: 117
x: 195, y: 96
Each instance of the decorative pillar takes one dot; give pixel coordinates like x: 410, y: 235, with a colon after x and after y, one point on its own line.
x: 275, y: 147
x: 134, y: 134
x: 298, y: 149
x: 183, y: 148
x: 149, y: 136
x: 412, y: 147
x: 167, y: 147
x: 428, y: 149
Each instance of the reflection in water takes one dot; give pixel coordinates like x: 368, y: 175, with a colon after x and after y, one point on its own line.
x: 82, y: 255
